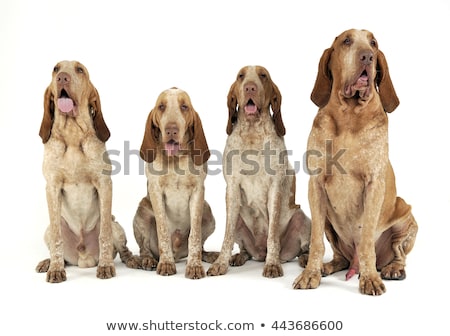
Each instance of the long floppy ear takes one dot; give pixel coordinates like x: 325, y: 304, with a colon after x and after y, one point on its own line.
x: 275, y: 101
x: 101, y: 130
x: 150, y: 141
x: 388, y: 97
x: 200, y: 153
x: 232, y: 105
x: 49, y: 114
x: 323, y: 85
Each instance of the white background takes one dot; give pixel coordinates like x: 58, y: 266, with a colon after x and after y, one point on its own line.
x: 136, y: 49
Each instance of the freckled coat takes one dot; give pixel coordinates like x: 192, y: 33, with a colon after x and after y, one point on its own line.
x: 262, y: 217
x: 173, y: 220
x: 369, y: 227
x: 82, y: 230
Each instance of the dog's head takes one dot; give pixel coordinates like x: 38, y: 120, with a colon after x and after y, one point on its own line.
x: 253, y: 93
x: 355, y: 68
x: 71, y: 95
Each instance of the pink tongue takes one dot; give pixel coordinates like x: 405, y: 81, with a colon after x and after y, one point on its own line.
x: 362, y: 80
x: 172, y: 148
x: 250, y: 109
x: 65, y: 105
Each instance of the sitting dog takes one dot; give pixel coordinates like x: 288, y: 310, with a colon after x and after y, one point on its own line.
x: 356, y: 206
x: 173, y: 220
x: 262, y: 217
x: 82, y: 230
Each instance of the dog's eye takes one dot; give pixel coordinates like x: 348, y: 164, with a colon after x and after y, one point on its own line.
x: 373, y: 43
x: 241, y: 76
x: 347, y: 41
x: 80, y: 69
x: 161, y: 107
x: 56, y: 69
x: 184, y: 107
x: 263, y: 76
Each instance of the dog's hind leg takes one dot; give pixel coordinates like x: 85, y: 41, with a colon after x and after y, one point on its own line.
x: 403, y: 236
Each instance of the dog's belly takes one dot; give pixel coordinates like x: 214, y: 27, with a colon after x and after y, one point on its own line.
x: 80, y: 207
x: 254, y: 207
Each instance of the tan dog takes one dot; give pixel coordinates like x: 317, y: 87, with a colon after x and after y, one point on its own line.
x: 82, y: 230
x: 173, y: 220
x: 355, y: 203
x: 262, y: 217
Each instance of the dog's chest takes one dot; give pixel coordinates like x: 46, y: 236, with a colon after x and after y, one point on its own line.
x: 177, y: 187
x: 345, y: 161
x: 335, y: 148
x: 75, y: 163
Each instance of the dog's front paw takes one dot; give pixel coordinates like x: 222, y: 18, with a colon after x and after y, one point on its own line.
x: 194, y: 271
x: 166, y: 268
x: 371, y: 285
x: 308, y: 279
x: 272, y: 270
x: 217, y: 269
x: 56, y: 276
x: 106, y: 272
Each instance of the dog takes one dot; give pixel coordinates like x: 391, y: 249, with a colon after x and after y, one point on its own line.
x: 355, y: 204
x: 262, y: 217
x: 173, y: 221
x: 82, y: 230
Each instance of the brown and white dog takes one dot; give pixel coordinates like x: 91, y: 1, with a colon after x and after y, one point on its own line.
x: 82, y: 230
x: 262, y: 217
x: 368, y: 226
x: 173, y: 220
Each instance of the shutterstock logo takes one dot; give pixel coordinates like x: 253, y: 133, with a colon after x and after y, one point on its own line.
x: 249, y: 161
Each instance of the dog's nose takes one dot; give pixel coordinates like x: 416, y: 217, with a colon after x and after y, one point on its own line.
x: 250, y: 87
x: 366, y: 57
x: 171, y: 130
x: 63, y: 78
